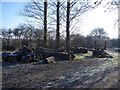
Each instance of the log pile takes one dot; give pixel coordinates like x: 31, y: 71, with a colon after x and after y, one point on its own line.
x: 25, y: 55
x: 100, y: 53
x: 80, y: 50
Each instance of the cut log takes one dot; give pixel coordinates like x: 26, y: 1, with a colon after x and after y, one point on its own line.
x: 48, y: 53
x: 50, y: 60
x: 80, y: 50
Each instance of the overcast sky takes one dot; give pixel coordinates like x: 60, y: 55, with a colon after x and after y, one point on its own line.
x: 93, y: 19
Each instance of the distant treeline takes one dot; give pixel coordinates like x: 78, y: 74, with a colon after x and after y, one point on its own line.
x: 33, y: 38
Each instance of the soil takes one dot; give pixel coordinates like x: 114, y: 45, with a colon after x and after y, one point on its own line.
x: 86, y: 73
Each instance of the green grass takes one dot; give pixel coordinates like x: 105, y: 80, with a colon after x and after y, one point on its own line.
x: 87, y: 54
x: 78, y: 57
x: 81, y: 56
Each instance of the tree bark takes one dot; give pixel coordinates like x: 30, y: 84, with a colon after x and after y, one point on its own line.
x: 58, y: 28
x: 95, y: 44
x: 67, y: 27
x: 45, y: 23
x: 105, y: 44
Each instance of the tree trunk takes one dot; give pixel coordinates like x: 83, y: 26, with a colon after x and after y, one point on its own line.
x: 57, y: 30
x: 67, y: 27
x: 45, y: 24
x: 105, y: 45
x: 19, y: 43
x: 95, y: 44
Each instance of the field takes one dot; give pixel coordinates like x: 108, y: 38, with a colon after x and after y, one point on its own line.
x: 79, y: 73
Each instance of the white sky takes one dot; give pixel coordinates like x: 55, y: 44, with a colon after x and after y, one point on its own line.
x: 99, y: 18
x: 14, y: 0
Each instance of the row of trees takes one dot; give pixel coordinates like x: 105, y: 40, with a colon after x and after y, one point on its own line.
x: 61, y: 13
x: 24, y: 34
x: 34, y: 37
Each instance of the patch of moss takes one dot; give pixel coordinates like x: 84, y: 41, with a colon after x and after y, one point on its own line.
x: 78, y: 57
x: 87, y: 54
x: 81, y: 56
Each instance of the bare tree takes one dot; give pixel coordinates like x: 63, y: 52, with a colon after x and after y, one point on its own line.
x: 67, y: 27
x: 113, y: 5
x: 4, y: 37
x: 98, y: 32
x: 56, y: 8
x: 20, y: 33
x: 45, y: 23
x: 74, y: 9
x: 100, y: 36
x: 58, y: 28
x: 37, y: 10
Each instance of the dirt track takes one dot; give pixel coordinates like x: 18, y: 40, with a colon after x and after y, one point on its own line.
x: 87, y: 73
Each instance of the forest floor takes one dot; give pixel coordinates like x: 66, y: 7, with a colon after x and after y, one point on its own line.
x: 84, y: 73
